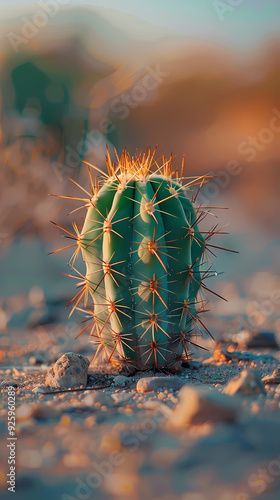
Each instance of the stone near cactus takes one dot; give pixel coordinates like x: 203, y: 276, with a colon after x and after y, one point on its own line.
x: 148, y: 384
x: 145, y: 263
x: 196, y: 406
x: 221, y: 354
x: 246, y: 383
x: 68, y: 372
x: 272, y: 378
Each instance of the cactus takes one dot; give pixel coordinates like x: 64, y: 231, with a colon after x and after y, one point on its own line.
x: 145, y: 262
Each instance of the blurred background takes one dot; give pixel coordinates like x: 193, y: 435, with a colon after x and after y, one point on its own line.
x: 196, y: 78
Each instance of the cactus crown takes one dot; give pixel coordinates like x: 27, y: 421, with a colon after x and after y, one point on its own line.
x: 145, y: 262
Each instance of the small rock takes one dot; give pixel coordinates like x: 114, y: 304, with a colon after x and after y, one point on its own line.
x: 68, y: 372
x: 221, y: 355
x: 38, y: 411
x: 272, y: 378
x: 36, y: 360
x: 196, y: 406
x: 120, y: 380
x: 172, y: 399
x: 161, y: 395
x: 246, y: 383
x: 208, y: 361
x: 121, y: 397
x: 147, y: 384
x: 255, y: 339
x: 277, y: 390
x: 159, y: 407
x: 98, y: 397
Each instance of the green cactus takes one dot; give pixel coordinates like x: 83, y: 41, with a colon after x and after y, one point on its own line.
x: 145, y: 265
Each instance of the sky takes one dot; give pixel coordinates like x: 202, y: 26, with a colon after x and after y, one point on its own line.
x: 240, y: 23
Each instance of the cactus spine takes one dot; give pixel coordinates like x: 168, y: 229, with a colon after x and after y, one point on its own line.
x: 144, y: 257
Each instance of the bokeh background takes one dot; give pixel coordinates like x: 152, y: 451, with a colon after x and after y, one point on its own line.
x: 196, y: 78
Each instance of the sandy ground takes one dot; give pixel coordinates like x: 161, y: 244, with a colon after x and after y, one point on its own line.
x: 116, y: 443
